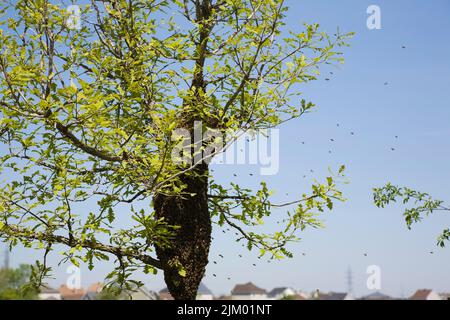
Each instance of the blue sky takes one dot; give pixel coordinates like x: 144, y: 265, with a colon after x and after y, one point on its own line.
x: 415, y: 106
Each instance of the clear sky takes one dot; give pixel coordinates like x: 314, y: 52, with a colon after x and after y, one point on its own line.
x: 415, y: 106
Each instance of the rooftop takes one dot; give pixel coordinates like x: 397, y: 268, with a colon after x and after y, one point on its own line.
x: 247, y: 289
x: 421, y: 294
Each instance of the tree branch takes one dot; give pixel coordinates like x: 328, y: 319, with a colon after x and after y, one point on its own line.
x: 16, y: 231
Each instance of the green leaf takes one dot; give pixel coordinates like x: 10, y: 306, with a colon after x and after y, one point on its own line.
x: 111, y: 215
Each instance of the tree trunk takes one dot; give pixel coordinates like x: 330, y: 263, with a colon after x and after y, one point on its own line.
x: 190, y: 248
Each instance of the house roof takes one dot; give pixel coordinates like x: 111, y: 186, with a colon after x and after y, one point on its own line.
x: 421, y: 294
x: 95, y: 287
x: 333, y: 296
x: 71, y: 294
x: 247, y: 289
x: 376, y: 296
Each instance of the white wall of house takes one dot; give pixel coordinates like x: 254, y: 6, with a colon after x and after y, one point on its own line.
x: 434, y: 296
x: 205, y: 297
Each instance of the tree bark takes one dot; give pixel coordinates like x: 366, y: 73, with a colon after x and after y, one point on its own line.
x: 190, y: 248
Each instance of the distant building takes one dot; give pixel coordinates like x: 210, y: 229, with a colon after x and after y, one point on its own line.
x: 95, y: 287
x: 47, y: 293
x: 223, y: 298
x: 335, y: 296
x: 377, y: 296
x: 71, y: 294
x: 425, y: 294
x: 93, y: 291
x: 445, y: 296
x: 164, y: 294
x: 279, y: 293
x: 204, y: 293
x: 248, y: 291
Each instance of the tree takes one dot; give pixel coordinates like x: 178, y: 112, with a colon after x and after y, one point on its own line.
x: 89, y: 115
x: 13, y: 283
x: 424, y: 205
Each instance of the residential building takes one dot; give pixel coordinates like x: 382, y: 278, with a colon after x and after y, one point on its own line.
x: 164, y: 294
x: 335, y: 296
x: 96, y: 287
x: 71, y: 293
x: 93, y: 291
x: 248, y: 291
x: 425, y: 294
x: 47, y: 293
x: 377, y: 296
x: 223, y: 297
x: 445, y: 295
